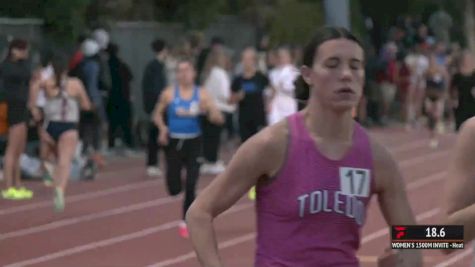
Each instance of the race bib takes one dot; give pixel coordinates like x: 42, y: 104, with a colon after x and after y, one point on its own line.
x: 354, y: 181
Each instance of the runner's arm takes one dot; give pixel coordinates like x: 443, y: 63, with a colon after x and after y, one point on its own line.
x: 393, y: 200
x: 33, y: 93
x: 460, y: 193
x: 84, y: 101
x: 259, y: 157
x: 236, y: 97
x: 33, y: 96
x: 237, y: 93
x: 214, y: 114
x: 159, y: 110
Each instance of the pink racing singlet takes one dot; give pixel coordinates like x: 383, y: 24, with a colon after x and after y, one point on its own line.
x: 313, y: 212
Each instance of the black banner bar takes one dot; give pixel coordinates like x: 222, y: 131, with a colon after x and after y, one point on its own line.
x: 427, y: 232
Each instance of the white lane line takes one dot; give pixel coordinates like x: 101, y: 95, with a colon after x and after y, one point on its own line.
x: 87, y: 218
x: 82, y: 196
x: 112, y: 241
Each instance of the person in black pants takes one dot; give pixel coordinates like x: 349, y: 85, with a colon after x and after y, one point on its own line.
x: 462, y: 90
x: 15, y: 75
x: 91, y: 122
x: 153, y: 82
x: 181, y: 133
x: 217, y: 82
x: 248, y: 91
x: 119, y: 105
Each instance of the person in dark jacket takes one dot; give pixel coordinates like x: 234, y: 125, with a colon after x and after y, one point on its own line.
x: 153, y: 82
x: 119, y: 104
x: 15, y: 73
x: 92, y: 122
x: 216, y: 43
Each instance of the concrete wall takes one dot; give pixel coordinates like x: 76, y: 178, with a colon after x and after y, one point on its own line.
x: 28, y: 29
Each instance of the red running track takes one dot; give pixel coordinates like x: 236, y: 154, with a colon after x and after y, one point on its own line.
x: 125, y: 218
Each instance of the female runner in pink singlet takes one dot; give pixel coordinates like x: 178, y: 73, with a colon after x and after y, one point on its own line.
x: 315, y: 172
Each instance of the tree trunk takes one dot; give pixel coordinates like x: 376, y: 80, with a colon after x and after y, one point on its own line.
x: 469, y: 19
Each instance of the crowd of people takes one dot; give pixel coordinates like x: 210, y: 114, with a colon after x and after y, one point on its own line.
x: 419, y: 78
x: 74, y: 103
x: 63, y: 102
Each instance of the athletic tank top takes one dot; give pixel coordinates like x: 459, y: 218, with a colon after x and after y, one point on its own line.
x: 183, y: 115
x: 313, y: 212
x: 435, y: 81
x: 62, y: 108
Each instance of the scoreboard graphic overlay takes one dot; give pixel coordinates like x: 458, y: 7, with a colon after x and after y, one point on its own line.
x: 427, y: 237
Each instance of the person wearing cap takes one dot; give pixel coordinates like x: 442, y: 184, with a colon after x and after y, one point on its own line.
x: 102, y: 38
x: 91, y: 121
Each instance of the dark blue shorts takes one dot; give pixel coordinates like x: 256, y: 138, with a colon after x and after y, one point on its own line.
x: 55, y: 128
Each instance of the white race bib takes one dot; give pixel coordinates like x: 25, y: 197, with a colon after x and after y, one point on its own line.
x: 354, y: 181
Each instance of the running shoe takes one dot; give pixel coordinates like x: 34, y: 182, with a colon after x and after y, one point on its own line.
x: 217, y: 168
x: 212, y: 168
x: 10, y: 193
x: 47, y: 178
x: 89, y: 170
x: 17, y: 194
x: 434, y: 143
x: 99, y: 160
x: 252, y: 193
x: 440, y: 128
x: 58, y: 199
x: 205, y: 168
x: 153, y: 171
x: 183, y: 230
x: 23, y: 193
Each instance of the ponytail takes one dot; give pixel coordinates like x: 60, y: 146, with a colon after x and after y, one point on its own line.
x: 302, y: 92
x: 58, y: 62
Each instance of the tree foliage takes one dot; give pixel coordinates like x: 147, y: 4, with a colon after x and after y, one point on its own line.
x: 198, y: 14
x: 194, y: 14
x: 285, y: 20
x: 64, y: 20
x: 358, y: 26
x: 294, y: 21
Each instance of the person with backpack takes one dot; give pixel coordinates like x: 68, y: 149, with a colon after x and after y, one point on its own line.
x: 91, y: 121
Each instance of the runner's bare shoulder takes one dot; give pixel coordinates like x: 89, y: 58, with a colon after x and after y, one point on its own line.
x: 75, y: 85
x: 270, y: 145
x: 469, y: 125
x: 464, y: 152
x: 384, y: 165
x: 167, y: 94
x: 465, y: 147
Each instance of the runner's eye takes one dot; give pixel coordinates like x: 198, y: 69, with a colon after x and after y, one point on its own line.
x: 332, y: 63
